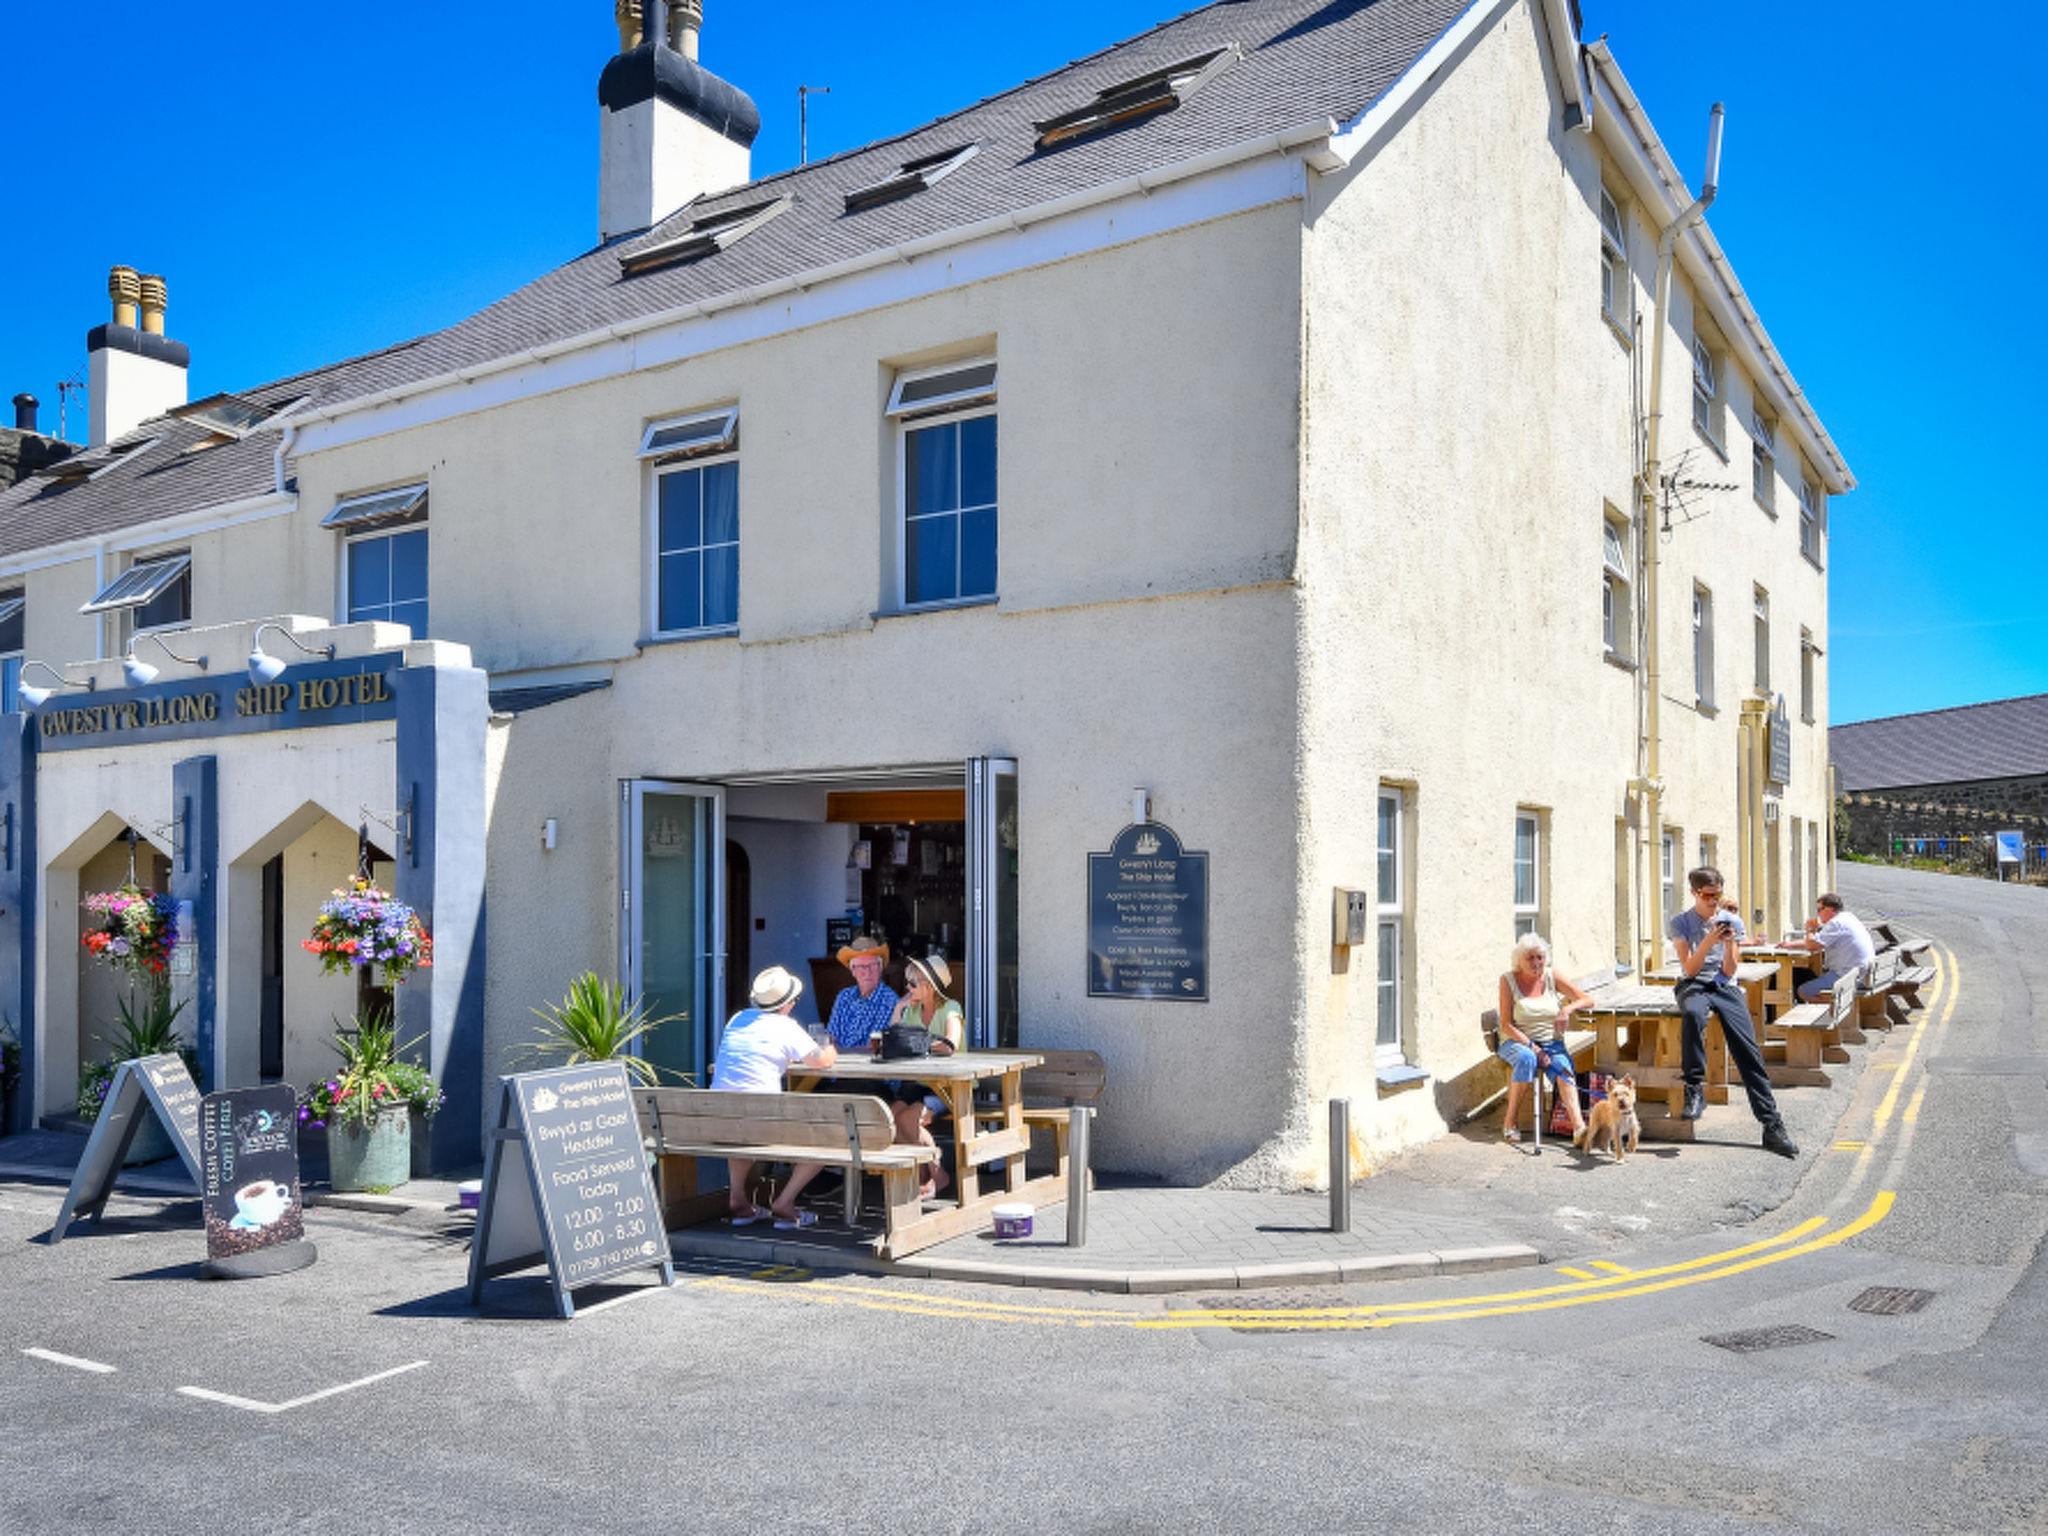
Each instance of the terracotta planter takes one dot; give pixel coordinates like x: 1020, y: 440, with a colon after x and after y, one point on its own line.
x: 373, y: 1158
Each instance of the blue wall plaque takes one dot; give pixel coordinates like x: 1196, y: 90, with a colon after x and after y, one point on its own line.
x: 1148, y: 918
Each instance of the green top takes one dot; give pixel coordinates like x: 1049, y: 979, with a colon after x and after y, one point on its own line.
x: 950, y: 1024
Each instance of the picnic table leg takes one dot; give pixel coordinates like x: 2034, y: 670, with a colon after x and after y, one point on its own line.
x: 1011, y: 1090
x: 959, y: 1096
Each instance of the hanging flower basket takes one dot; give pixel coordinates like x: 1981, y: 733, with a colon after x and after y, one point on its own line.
x: 360, y: 926
x: 132, y: 929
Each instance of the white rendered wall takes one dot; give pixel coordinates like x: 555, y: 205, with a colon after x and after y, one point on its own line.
x: 653, y: 159
x: 125, y: 389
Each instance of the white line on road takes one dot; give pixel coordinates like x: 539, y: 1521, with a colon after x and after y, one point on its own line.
x: 71, y: 1360
x: 253, y: 1406
x: 619, y: 1301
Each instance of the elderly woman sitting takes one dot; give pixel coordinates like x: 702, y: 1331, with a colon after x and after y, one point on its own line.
x: 1532, y: 1021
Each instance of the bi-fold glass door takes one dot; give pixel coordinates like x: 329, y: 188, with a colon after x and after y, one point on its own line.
x: 672, y: 918
x: 992, y: 977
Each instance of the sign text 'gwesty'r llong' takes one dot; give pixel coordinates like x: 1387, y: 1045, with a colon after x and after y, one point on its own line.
x: 333, y: 693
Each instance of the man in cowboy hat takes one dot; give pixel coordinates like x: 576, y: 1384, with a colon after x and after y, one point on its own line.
x: 864, y: 1008
x: 759, y: 1045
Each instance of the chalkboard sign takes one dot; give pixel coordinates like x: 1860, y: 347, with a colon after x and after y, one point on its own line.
x: 565, y: 1180
x: 157, y: 1085
x: 1148, y: 918
x: 255, y: 1215
x: 1780, y: 743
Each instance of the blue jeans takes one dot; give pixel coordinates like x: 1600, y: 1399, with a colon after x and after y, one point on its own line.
x: 1557, y: 1061
x: 1817, y: 989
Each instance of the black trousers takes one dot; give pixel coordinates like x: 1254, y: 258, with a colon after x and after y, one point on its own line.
x: 1729, y: 1006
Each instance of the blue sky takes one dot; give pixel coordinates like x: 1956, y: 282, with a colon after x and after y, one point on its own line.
x: 319, y: 181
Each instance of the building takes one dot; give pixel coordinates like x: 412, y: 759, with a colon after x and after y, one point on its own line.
x: 1314, y: 336
x: 1945, y: 781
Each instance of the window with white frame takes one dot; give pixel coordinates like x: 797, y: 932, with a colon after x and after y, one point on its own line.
x: 1807, y: 652
x: 1710, y: 851
x: 946, y: 484
x: 1706, y: 391
x: 1395, y: 924
x: 1617, y: 613
x: 1762, y: 609
x: 1667, y: 882
x: 1703, y: 647
x: 155, y: 592
x: 1528, y: 871
x: 695, y: 523
x: 13, y: 623
x: 1615, y: 293
x: 385, y: 576
x: 1763, y: 461
x: 1811, y: 518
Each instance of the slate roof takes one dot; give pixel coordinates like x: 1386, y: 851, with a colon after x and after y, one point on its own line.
x: 1303, y: 60
x: 173, y: 474
x: 2007, y: 738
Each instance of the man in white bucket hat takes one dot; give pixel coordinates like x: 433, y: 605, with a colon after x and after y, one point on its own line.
x: 759, y: 1045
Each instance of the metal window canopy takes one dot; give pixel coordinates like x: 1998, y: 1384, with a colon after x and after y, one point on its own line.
x: 914, y: 176
x: 139, y: 584
x: 686, y: 437
x: 377, y: 507
x: 1129, y: 100
x: 706, y: 234
x: 11, y: 608
x: 937, y: 389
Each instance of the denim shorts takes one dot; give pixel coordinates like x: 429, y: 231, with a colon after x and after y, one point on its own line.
x: 1557, y: 1060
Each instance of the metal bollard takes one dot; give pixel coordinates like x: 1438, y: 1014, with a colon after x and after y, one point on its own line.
x: 1340, y: 1165
x: 1077, y: 1175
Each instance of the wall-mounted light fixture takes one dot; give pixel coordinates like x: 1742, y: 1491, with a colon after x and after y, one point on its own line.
x: 547, y: 834
x: 32, y: 696
x: 266, y: 668
x: 141, y: 674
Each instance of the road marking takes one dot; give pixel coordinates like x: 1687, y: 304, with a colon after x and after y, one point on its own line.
x: 1608, y: 1265
x: 1851, y: 1146
x: 71, y: 1360
x: 617, y: 1301
x: 253, y: 1406
x: 1912, y: 1114
x: 1576, y: 1274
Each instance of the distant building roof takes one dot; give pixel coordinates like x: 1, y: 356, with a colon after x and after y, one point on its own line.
x: 2005, y: 739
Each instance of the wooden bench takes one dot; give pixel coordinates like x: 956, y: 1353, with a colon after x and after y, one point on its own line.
x: 1064, y: 1081
x: 1578, y: 1043
x: 850, y: 1131
x: 1911, y: 950
x: 1910, y: 979
x: 1875, y: 983
x: 1811, y: 1034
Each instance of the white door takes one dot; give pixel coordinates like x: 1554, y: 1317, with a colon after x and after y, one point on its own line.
x: 992, y: 903
x: 672, y: 918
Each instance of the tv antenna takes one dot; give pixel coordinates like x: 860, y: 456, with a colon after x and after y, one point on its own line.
x: 804, y: 93
x: 1681, y: 489
x: 66, y: 388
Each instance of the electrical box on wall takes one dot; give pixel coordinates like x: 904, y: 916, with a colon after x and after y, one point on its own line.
x: 1353, y: 913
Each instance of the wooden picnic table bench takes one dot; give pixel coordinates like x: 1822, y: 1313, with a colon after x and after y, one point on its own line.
x: 1912, y: 950
x: 854, y: 1132
x: 1578, y: 1043
x: 1877, y: 983
x: 1640, y: 1034
x: 1062, y: 1082
x: 1812, y: 1034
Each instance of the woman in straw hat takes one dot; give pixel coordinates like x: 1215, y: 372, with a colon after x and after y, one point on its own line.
x: 926, y: 1006
x: 759, y: 1045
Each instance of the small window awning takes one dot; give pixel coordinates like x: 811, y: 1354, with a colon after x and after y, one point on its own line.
x: 935, y: 389
x: 707, y: 233
x: 377, y: 507
x: 11, y: 608
x: 1131, y: 100
x: 139, y: 584
x: 914, y: 176
x: 683, y: 437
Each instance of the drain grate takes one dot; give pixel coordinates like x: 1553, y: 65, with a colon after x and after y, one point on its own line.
x: 1891, y: 1300
x: 1751, y: 1340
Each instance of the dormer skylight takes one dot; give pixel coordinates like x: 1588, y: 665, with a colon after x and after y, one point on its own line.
x: 1130, y: 100
x: 95, y: 462
x: 227, y: 415
x: 915, y: 176
x: 707, y: 233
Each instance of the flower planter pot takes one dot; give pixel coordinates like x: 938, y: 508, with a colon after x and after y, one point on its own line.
x: 378, y: 1157
x: 150, y: 1144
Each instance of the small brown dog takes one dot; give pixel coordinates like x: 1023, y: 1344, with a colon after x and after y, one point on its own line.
x: 1614, y: 1118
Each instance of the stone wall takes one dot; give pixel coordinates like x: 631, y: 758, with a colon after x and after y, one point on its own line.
x: 23, y: 453
x: 1945, y: 821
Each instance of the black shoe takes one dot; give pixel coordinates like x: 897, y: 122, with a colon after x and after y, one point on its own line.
x: 1775, y: 1140
x: 1695, y: 1102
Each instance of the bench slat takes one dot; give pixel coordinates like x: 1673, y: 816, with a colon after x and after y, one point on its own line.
x: 768, y: 1152
x: 809, y: 1120
x: 1076, y: 1077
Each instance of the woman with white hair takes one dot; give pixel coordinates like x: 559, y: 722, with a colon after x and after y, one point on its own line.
x: 1532, y: 1021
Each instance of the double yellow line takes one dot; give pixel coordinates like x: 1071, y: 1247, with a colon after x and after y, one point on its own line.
x: 1813, y: 1235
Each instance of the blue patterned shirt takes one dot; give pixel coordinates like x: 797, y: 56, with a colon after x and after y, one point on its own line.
x: 854, y: 1017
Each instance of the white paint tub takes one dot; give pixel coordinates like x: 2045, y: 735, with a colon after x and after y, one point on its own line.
x: 1013, y: 1220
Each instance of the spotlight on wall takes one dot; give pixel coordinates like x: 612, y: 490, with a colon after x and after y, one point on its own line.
x: 32, y: 696
x: 548, y: 831
x: 266, y: 668
x: 141, y: 674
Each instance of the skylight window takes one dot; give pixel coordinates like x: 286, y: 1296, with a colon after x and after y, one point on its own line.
x: 228, y: 415
x: 377, y: 507
x: 95, y: 462
x: 139, y: 584
x: 707, y: 233
x: 915, y: 176
x: 1129, y: 100
x: 686, y: 437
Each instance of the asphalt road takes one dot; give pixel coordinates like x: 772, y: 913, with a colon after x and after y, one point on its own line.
x: 794, y: 1402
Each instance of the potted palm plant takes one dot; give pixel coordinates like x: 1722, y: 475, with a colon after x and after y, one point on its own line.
x: 367, y: 1106
x: 594, y: 1021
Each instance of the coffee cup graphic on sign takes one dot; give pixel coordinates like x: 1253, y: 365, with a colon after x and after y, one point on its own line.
x: 259, y: 1204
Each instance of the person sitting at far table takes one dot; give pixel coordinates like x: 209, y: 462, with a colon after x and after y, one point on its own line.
x: 1707, y: 936
x: 926, y: 1006
x: 866, y: 1007
x: 759, y: 1045
x: 1532, y: 1021
x: 1838, y: 936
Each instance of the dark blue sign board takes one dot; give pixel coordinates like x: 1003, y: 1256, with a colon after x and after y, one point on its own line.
x: 316, y: 693
x: 1148, y: 918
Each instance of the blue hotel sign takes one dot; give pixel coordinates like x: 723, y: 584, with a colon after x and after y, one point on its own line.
x: 323, y: 693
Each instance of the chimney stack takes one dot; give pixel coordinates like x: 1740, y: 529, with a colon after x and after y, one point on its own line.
x: 133, y: 370
x: 669, y: 129
x: 25, y: 412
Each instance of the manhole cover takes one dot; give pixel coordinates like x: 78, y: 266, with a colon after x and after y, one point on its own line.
x: 1750, y: 1340
x: 1270, y: 1301
x: 1891, y: 1300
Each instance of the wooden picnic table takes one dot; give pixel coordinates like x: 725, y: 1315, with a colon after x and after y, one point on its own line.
x: 1640, y: 1033
x: 1753, y: 976
x: 995, y: 1134
x: 1783, y: 992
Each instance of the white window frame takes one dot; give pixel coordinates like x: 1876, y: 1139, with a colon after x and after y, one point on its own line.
x: 964, y: 404
x: 1812, y: 519
x: 176, y: 566
x: 1392, y: 917
x: 1808, y: 702
x: 1617, y: 301
x: 1702, y: 647
x: 912, y: 176
x: 1763, y: 460
x: 1707, y: 386
x: 720, y: 435
x: 370, y: 533
x: 1760, y: 610
x: 651, y: 543
x: 1668, y: 859
x: 365, y: 509
x: 13, y: 605
x: 1617, y: 588
x: 1528, y: 914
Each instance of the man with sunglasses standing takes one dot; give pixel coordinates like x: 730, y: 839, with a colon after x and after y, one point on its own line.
x: 1707, y: 939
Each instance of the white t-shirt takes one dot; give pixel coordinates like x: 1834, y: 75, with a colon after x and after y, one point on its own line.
x: 1844, y: 943
x: 756, y: 1049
